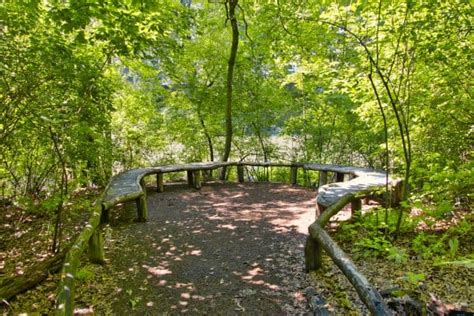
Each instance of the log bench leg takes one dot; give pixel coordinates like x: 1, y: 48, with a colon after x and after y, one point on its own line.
x: 223, y: 174
x: 159, y: 183
x: 104, y: 216
x: 294, y: 175
x: 319, y: 209
x: 323, y: 178
x: 339, y: 177
x: 240, y: 173
x: 312, y: 254
x: 96, y: 247
x: 397, y: 192
x: 190, y: 178
x: 207, y: 174
x: 196, y: 175
x: 142, y: 209
x: 356, y: 206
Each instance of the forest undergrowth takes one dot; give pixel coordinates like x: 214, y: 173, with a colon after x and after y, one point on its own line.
x: 428, y: 262
x: 431, y: 263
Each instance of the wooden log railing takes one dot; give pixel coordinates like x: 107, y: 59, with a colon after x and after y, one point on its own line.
x: 319, y: 239
x: 130, y: 186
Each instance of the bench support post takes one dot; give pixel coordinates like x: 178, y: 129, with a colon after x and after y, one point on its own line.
x: 207, y: 174
x: 397, y: 192
x: 320, y: 209
x: 294, y: 175
x: 240, y: 173
x: 339, y: 177
x: 159, y: 182
x: 190, y: 178
x: 196, y: 175
x: 96, y: 247
x: 104, y: 216
x: 323, y: 178
x: 142, y: 207
x: 356, y: 206
x: 313, y: 254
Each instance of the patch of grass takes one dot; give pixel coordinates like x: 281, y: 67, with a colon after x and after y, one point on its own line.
x: 85, y: 274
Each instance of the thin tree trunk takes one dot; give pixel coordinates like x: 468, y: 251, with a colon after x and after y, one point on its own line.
x: 385, y: 127
x: 232, y: 4
x: 55, y: 247
x: 260, y: 140
x: 207, y: 135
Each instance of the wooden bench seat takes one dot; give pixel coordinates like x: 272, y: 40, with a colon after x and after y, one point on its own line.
x: 129, y: 185
x: 329, y: 194
x: 363, y: 182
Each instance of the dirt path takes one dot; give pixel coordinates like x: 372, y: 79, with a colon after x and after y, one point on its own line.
x: 226, y: 249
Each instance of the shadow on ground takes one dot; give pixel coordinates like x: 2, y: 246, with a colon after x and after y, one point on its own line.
x: 226, y: 249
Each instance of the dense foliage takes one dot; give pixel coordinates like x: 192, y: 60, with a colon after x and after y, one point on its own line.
x: 91, y: 88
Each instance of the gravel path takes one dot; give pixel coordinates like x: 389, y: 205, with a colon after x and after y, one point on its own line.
x: 226, y: 249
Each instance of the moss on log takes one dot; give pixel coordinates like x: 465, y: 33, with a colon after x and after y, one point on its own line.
x: 159, y: 182
x: 319, y: 239
x: 313, y: 254
x: 96, y: 247
x: 142, y: 209
x: 197, y: 179
x: 65, y: 298
x: 367, y: 293
x: 12, y: 286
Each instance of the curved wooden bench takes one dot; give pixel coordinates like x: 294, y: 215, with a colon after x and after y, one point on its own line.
x: 130, y: 185
x: 362, y: 181
x: 330, y: 200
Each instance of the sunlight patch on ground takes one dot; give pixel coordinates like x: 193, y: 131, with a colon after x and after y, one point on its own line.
x: 157, y: 271
x: 227, y: 226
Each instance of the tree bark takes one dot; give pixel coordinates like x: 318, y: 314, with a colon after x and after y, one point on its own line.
x: 232, y: 4
x: 12, y: 286
x: 55, y: 247
x: 367, y: 293
x: 65, y: 298
x: 207, y: 135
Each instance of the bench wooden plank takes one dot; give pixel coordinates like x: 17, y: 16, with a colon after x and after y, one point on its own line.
x: 126, y: 186
x: 330, y: 193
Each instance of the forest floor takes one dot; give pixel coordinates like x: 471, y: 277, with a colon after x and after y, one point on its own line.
x: 226, y: 249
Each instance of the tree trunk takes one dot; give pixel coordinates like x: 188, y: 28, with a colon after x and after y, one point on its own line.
x: 57, y: 235
x: 232, y: 4
x: 207, y: 135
